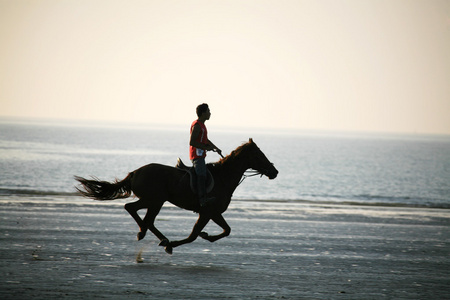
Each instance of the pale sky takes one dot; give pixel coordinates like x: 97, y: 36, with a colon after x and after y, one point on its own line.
x: 357, y: 65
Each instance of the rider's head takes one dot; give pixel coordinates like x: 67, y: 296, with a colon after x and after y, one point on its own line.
x: 201, y: 109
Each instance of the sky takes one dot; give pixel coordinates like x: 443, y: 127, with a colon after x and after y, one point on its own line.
x: 350, y: 65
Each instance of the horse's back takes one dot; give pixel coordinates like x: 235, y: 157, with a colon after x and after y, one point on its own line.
x: 154, y: 167
x: 156, y: 179
x: 155, y: 171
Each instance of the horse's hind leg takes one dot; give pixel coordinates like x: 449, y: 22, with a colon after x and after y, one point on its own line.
x: 132, y: 209
x: 149, y: 221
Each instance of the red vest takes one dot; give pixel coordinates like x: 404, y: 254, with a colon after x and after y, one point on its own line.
x: 202, y: 138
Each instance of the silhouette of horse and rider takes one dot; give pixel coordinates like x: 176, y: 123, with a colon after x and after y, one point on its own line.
x: 154, y: 184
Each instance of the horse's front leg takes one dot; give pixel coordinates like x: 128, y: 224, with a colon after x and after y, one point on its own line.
x: 219, y: 220
x: 198, y: 227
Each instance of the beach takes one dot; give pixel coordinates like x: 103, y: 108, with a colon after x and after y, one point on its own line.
x: 68, y: 247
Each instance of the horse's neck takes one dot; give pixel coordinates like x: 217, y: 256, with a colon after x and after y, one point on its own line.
x: 234, y: 171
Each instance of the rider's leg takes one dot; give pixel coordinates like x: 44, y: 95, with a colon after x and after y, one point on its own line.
x: 200, y: 170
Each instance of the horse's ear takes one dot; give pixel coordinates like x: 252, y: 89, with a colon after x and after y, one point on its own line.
x: 250, y: 140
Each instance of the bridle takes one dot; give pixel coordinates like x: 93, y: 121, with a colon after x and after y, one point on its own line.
x: 253, y: 172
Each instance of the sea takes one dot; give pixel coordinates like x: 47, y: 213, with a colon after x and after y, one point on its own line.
x: 39, y: 158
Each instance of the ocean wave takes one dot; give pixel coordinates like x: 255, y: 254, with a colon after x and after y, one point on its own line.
x: 376, y: 201
x: 26, y: 192
x: 349, y: 202
x: 386, y: 204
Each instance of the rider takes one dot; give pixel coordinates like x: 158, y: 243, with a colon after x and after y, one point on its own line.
x: 198, y: 145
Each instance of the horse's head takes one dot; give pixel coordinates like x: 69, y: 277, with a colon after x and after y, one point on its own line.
x: 259, y: 162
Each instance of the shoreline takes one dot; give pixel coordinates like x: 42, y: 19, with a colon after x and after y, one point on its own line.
x: 35, y: 195
x: 82, y: 249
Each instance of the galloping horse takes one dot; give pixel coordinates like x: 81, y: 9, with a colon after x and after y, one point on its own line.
x: 155, y: 184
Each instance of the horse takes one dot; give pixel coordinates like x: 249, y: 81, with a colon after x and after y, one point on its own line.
x: 154, y: 184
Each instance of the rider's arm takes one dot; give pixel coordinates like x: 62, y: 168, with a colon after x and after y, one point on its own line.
x: 214, y: 147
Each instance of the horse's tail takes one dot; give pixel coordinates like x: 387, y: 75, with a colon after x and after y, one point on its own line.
x: 103, y: 190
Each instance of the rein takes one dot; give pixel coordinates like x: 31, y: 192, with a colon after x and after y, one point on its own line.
x: 254, y: 173
x: 220, y: 153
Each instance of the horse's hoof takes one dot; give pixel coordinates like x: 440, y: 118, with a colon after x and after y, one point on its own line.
x: 164, y: 243
x: 168, y: 249
x: 140, y: 235
x: 203, y: 235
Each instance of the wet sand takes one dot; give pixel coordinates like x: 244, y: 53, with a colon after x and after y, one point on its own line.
x: 80, y: 249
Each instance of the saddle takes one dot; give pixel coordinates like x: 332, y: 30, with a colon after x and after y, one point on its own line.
x: 193, y: 176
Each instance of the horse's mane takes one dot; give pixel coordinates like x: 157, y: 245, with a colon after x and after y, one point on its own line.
x: 232, y: 156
